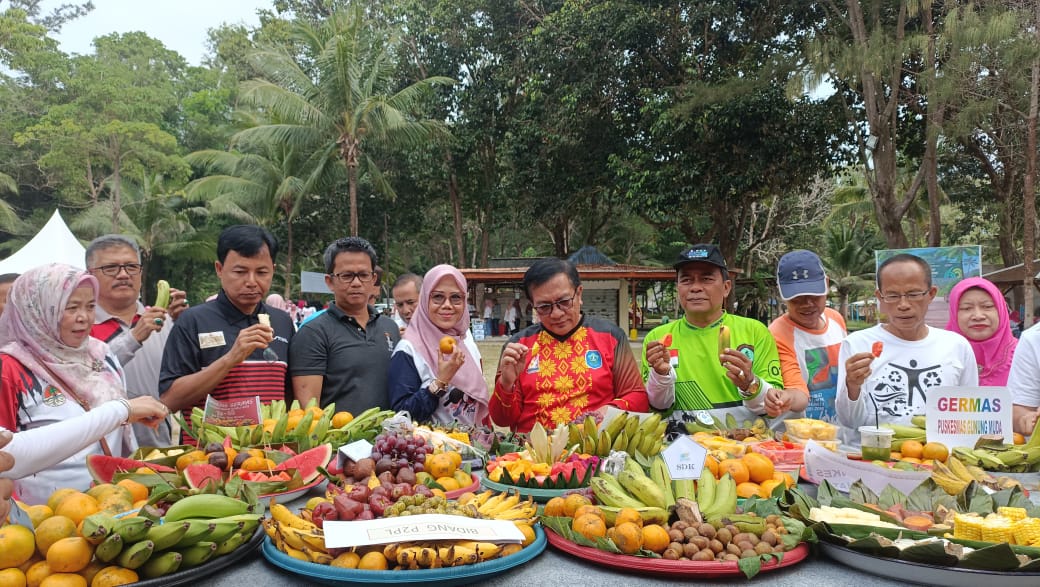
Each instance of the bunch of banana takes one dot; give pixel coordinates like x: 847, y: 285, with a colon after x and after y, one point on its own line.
x: 631, y: 488
x: 716, y: 498
x: 202, y: 526
x: 502, y: 506
x: 625, y: 432
x: 730, y: 428
x: 953, y: 476
x: 296, y: 536
x: 1008, y: 458
x: 440, y: 554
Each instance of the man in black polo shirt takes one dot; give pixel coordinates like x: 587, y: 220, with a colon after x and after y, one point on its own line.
x: 343, y: 355
x: 218, y: 348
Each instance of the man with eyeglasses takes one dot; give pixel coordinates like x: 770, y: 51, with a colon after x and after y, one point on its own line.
x: 406, y: 298
x: 342, y: 356
x: 690, y: 367
x: 567, y: 365
x: 223, y: 348
x: 136, y: 333
x: 889, y: 383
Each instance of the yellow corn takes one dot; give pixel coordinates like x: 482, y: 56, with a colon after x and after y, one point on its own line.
x: 1026, y: 531
x: 1013, y: 514
x: 967, y: 526
x: 996, y: 528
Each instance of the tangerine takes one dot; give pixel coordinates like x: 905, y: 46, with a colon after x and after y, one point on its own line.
x: 441, y: 465
x: 58, y: 495
x: 456, y: 457
x: 448, y: 483
x: 748, y: 489
x: 712, y: 465
x: 347, y: 560
x: 1018, y: 438
x: 92, y: 570
x: 373, y: 561
x: 17, y: 545
x: 785, y: 478
x: 760, y: 468
x: 64, y: 580
x: 936, y: 451
x: 188, y: 458
x: 736, y: 469
x: 555, y: 507
x: 13, y: 577
x: 912, y: 449
x: 258, y: 464
x: 769, y: 485
x: 38, y: 513
x: 573, y: 502
x: 590, y: 509
x: 527, y: 531
x: 447, y: 345
x: 629, y: 515
x: 589, y: 526
x: 69, y: 555
x: 655, y: 538
x: 341, y: 419
x: 52, y: 530
x: 628, y: 537
x: 113, y: 576
x: 35, y: 575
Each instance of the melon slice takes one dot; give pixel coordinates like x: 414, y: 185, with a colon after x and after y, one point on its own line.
x: 308, y: 461
x: 198, y: 475
x: 103, y: 468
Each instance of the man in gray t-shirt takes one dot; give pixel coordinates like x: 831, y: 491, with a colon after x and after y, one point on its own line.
x: 343, y: 355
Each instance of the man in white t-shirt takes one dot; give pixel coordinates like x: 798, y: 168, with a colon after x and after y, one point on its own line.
x: 890, y: 382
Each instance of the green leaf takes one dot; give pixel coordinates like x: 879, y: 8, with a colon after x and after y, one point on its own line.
x: 998, y: 557
x: 931, y: 553
x: 750, y: 566
x: 872, y: 546
x: 921, y: 499
x: 891, y: 496
x: 860, y: 493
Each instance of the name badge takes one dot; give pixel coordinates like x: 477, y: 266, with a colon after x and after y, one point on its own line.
x: 208, y: 340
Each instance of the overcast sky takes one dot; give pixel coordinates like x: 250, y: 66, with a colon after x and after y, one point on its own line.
x: 181, y: 25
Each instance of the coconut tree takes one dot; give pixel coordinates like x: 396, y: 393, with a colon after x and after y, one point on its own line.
x: 335, y: 93
x: 849, y: 259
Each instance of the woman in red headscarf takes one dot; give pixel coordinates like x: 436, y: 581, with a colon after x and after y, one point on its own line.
x: 442, y: 385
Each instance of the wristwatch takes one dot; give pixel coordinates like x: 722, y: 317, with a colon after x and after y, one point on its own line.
x: 752, y: 389
x: 437, y: 387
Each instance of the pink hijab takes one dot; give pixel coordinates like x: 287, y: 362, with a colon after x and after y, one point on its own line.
x: 425, y: 337
x: 31, y: 329
x: 993, y: 354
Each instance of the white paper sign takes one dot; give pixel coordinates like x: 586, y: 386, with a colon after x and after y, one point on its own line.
x: 418, y: 528
x: 822, y: 464
x: 957, y: 416
x: 357, y: 450
x: 685, y: 458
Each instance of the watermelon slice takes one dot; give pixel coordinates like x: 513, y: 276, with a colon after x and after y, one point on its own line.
x: 308, y: 461
x: 198, y: 475
x: 103, y: 468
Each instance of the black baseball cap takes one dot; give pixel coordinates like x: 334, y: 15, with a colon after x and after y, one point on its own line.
x: 703, y: 253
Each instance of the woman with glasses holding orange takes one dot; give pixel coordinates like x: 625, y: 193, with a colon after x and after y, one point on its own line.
x: 435, y: 371
x: 568, y: 364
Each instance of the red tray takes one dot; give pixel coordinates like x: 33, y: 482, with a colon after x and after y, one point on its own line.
x: 455, y: 493
x: 668, y: 568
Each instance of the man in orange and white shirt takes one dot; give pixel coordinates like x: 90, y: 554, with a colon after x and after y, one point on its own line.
x: 808, y: 337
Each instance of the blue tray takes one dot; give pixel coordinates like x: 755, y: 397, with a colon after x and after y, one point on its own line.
x: 446, y: 577
x: 539, y: 495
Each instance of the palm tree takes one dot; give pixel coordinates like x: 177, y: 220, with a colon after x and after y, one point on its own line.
x: 337, y: 98
x: 8, y: 217
x: 849, y: 259
x: 263, y: 188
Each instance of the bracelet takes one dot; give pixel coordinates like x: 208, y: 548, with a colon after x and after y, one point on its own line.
x: 129, y: 410
x: 443, y: 384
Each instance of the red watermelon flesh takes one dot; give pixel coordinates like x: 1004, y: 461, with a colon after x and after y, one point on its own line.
x: 308, y: 461
x: 198, y: 475
x: 103, y: 468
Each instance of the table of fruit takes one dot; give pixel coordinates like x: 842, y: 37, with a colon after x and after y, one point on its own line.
x: 312, y: 496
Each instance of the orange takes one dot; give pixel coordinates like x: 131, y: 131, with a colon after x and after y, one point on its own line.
x: 629, y: 515
x: 712, y: 465
x: 293, y: 420
x: 590, y: 509
x: 785, y: 478
x: 749, y: 489
x: 64, y: 580
x: 1018, y: 438
x: 463, y: 478
x: 911, y: 460
x: 456, y: 457
x: 655, y: 538
x: 35, y: 558
x: 92, y: 570
x: 12, y: 578
x: 341, y: 419
x: 38, y: 513
x: 112, y: 576
x: 69, y: 555
x: 57, y: 496
x: 912, y: 448
x: 760, y: 468
x: 527, y: 531
x: 258, y: 464
x: 373, y: 561
x: 316, y: 412
x: 188, y: 458
x: 37, y: 573
x: 589, y: 526
x: 736, y: 469
x: 769, y: 485
x: 573, y: 502
x: 269, y: 424
x: 438, y: 492
x: 448, y: 483
x: 555, y: 507
x: 895, y: 456
x: 17, y: 545
x: 347, y: 560
x: 447, y: 345
x: 441, y: 465
x: 628, y: 537
x: 52, y: 530
x: 936, y: 451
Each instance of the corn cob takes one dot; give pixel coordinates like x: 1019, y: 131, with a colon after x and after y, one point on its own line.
x: 1013, y: 514
x: 1026, y: 531
x: 996, y: 529
x: 967, y: 526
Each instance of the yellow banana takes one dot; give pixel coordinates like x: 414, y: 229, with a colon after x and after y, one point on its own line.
x: 491, y: 504
x: 291, y: 538
x: 504, y: 505
x: 283, y: 516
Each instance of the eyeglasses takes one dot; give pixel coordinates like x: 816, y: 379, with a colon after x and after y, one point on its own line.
x: 439, y: 299
x: 911, y: 296
x: 564, y: 304
x: 113, y: 270
x: 349, y: 276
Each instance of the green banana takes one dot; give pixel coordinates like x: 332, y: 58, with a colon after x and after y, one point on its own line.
x: 250, y: 522
x: 132, y: 529
x: 135, y: 555
x: 649, y: 441
x: 167, y: 535
x: 573, y: 435
x: 966, y: 455
x: 161, y: 565
x: 649, y: 424
x: 603, y: 445
x: 988, y: 460
x: 621, y: 442
x: 110, y: 548
x: 224, y: 529
x: 650, y: 515
x: 199, y: 530
x: 903, y: 432
x: 683, y: 488
x: 588, y: 445
x: 1011, y: 458
x: 231, y: 543
x: 642, y: 488
x: 634, y: 442
x: 706, y: 487
x: 97, y: 527
x: 609, y: 492
x: 615, y: 426
x: 724, y: 339
x: 162, y: 294
x: 920, y: 421
x: 205, y: 505
x: 591, y: 429
x: 197, y: 554
x: 731, y: 422
x: 631, y: 425
x: 659, y: 474
x: 725, y: 501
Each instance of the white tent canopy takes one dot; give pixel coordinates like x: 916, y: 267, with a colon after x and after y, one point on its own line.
x: 55, y: 243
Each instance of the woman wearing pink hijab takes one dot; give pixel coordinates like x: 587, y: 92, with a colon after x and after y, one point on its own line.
x: 978, y: 313
x: 431, y: 385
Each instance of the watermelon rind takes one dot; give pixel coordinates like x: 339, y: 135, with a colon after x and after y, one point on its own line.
x: 198, y: 475
x: 308, y: 461
x: 102, y: 468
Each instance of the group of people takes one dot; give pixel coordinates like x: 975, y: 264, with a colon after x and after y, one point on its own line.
x: 80, y: 354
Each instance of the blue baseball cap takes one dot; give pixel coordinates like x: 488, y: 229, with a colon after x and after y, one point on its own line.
x: 800, y: 273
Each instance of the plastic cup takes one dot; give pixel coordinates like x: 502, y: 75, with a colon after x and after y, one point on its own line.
x: 875, y: 443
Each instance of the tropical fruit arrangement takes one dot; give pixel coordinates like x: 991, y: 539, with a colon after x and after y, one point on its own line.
x: 639, y: 435
x: 547, y: 462
x: 409, y: 458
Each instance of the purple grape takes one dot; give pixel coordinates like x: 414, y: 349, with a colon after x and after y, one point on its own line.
x: 376, y: 455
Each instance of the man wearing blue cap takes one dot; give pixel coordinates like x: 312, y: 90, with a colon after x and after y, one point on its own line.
x: 709, y: 359
x: 808, y: 338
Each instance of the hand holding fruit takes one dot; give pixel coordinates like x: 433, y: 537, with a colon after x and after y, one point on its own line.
x: 249, y: 340
x: 657, y: 357
x: 511, y: 364
x: 178, y: 303
x: 857, y: 369
x: 449, y: 365
x: 738, y: 368
x: 151, y: 320
x: 779, y: 401
x: 6, y: 485
x: 147, y: 410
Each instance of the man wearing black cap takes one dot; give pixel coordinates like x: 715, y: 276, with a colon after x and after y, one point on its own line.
x: 684, y: 362
x: 808, y: 337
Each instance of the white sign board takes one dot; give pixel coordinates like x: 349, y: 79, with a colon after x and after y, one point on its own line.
x: 357, y: 450
x: 685, y: 458
x: 822, y: 464
x: 957, y: 416
x: 419, y: 528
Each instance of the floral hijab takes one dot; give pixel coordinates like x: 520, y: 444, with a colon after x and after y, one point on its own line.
x: 30, y: 329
